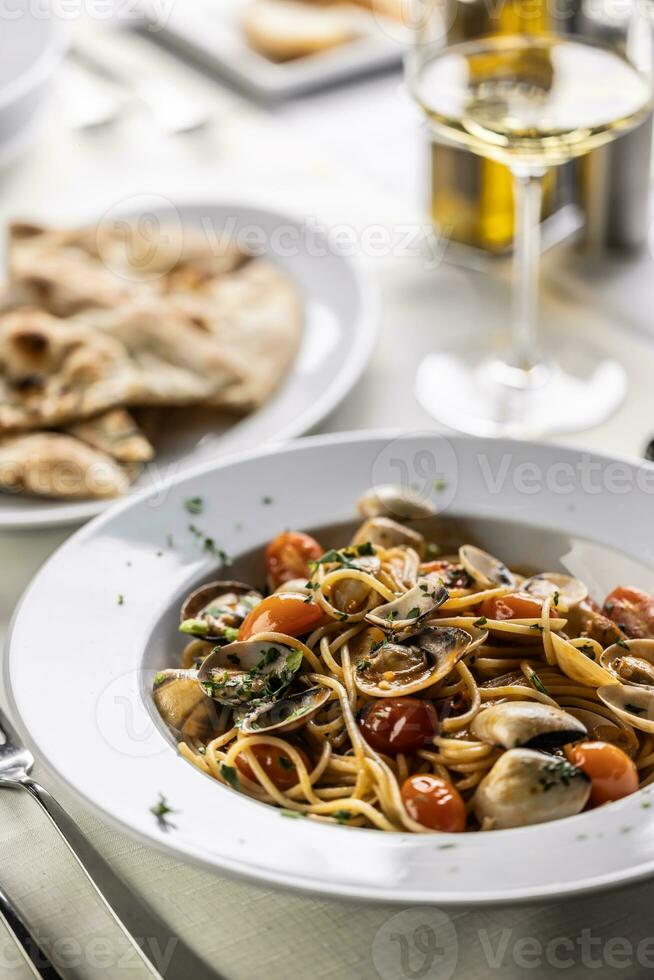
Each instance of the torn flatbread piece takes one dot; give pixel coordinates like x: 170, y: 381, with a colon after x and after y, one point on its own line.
x: 256, y: 313
x: 50, y: 464
x: 70, y: 270
x: 53, y: 371
x: 115, y: 433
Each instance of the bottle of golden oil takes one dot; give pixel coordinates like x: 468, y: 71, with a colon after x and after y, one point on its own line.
x: 471, y: 196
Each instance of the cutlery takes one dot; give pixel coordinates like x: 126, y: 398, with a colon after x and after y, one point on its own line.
x: 16, y: 763
x: 35, y: 958
x: 174, y: 110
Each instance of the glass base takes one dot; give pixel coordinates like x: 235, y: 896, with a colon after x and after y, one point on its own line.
x: 480, y: 394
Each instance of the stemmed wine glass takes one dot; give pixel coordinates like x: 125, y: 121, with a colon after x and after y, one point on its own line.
x: 530, y: 102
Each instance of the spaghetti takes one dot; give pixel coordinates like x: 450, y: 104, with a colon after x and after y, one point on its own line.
x: 359, y: 691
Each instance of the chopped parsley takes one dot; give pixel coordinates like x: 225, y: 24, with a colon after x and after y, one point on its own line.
x: 291, y: 813
x: 391, y: 615
x: 413, y: 613
x: 538, y: 684
x: 209, y: 544
x: 161, y: 810
x: 555, y: 598
x: 230, y: 775
x: 480, y: 622
x: 266, y: 501
x: 537, y: 626
x: 169, y: 541
x: 363, y: 665
x: 558, y: 772
x: 622, y: 643
x: 194, y: 505
x: 440, y: 484
x: 121, y: 599
x: 366, y: 549
x: 286, y: 763
x: 342, y: 816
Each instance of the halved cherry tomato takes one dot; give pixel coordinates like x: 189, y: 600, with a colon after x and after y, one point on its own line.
x: 284, y: 612
x: 276, y: 764
x: 288, y: 556
x: 393, y: 725
x: 516, y: 605
x: 632, y: 610
x: 611, y: 772
x: 434, y: 803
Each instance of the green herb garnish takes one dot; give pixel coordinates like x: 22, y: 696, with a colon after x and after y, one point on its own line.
x: 230, y: 775
x: 194, y: 505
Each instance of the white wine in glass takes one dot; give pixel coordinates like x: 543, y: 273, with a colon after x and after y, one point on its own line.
x: 530, y: 102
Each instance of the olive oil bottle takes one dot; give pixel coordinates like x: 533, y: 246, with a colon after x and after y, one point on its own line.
x: 471, y: 198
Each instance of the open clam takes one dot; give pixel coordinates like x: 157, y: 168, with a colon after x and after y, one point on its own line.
x: 526, y: 723
x: 184, y: 707
x: 386, y: 533
x: 350, y: 595
x: 287, y: 714
x: 631, y: 704
x: 631, y: 661
x: 565, y: 590
x: 408, y: 609
x: 484, y: 568
x: 390, y: 500
x: 574, y: 663
x: 216, y: 610
x: 250, y: 670
x: 419, y: 660
x: 527, y: 787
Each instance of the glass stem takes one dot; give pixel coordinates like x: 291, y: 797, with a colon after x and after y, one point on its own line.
x: 527, y: 197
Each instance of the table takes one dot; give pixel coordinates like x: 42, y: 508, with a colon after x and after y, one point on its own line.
x: 304, y: 156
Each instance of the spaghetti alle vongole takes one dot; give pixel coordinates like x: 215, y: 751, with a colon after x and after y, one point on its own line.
x: 376, y: 686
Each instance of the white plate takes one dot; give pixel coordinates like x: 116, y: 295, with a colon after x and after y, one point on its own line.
x: 80, y: 684
x: 340, y: 328
x: 210, y: 30
x: 32, y: 42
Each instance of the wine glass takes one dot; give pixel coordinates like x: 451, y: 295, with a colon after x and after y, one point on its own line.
x: 530, y: 102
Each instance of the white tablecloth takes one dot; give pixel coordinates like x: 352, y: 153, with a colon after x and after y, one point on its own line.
x: 307, y: 156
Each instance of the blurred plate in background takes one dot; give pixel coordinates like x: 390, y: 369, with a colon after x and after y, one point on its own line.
x: 32, y: 42
x: 211, y: 31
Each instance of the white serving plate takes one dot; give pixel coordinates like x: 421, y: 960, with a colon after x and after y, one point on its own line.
x: 340, y: 328
x: 81, y: 686
x: 32, y: 42
x: 210, y: 31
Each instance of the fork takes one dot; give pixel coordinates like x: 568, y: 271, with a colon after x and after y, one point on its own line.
x: 16, y: 763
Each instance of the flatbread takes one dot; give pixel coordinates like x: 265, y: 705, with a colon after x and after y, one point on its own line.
x: 53, y: 371
x: 49, y: 464
x: 115, y: 433
x: 70, y: 270
x: 283, y: 30
x: 256, y: 314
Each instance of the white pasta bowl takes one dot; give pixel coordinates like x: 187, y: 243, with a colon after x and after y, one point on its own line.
x: 99, y: 620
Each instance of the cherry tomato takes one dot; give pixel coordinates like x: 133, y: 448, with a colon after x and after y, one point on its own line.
x: 288, y: 556
x: 285, y: 612
x: 632, y: 610
x: 434, y: 803
x: 516, y: 605
x: 611, y: 772
x: 276, y: 764
x: 393, y: 725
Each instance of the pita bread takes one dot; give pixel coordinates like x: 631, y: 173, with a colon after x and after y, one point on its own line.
x: 116, y: 434
x: 59, y: 371
x: 255, y: 314
x: 283, y: 30
x: 50, y: 464
x: 67, y: 271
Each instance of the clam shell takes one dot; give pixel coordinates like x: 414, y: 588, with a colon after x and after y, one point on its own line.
x: 391, y: 500
x: 526, y: 723
x: 571, y: 591
x: 484, y: 568
x: 407, y: 610
x: 420, y: 660
x: 249, y: 670
x: 386, y: 533
x: 632, y: 704
x: 631, y: 661
x: 526, y: 787
x: 288, y: 714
